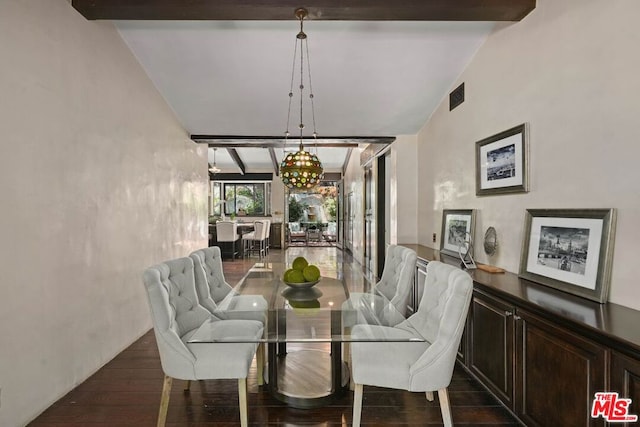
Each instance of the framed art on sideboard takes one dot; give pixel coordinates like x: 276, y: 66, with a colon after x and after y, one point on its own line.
x: 570, y: 250
x: 457, y: 228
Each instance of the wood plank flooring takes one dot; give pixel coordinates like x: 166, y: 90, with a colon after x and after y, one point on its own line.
x: 126, y: 393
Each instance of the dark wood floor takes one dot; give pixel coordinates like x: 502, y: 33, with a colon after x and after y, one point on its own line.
x: 126, y: 392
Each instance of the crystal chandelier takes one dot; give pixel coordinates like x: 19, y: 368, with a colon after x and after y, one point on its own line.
x: 301, y: 170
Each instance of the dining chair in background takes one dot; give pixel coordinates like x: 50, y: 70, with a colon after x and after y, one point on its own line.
x: 330, y: 233
x: 255, y: 240
x: 314, y: 233
x: 295, y: 232
x: 227, y: 232
x: 267, y: 242
x: 416, y: 366
x: 177, y: 315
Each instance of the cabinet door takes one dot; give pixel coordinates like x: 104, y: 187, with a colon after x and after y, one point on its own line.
x: 558, y: 374
x: 625, y: 379
x: 464, y: 343
x: 276, y: 235
x: 491, y: 341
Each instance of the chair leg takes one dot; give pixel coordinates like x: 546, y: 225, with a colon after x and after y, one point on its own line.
x: 346, y: 356
x: 443, y: 397
x: 164, y: 400
x: 187, y: 388
x: 357, y: 405
x: 242, y: 397
x: 429, y: 395
x: 260, y: 363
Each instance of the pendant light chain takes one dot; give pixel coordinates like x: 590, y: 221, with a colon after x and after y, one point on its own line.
x: 301, y: 125
x: 313, y: 111
x: 293, y: 72
x: 301, y: 170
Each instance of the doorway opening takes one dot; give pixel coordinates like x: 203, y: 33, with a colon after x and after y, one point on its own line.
x: 312, y: 217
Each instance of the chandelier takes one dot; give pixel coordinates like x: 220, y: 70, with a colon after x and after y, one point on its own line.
x: 301, y: 170
x: 212, y: 167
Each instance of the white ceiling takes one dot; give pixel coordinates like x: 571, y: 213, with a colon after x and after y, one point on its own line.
x: 373, y: 78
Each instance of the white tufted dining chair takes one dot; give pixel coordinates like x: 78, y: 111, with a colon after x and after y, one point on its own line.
x: 177, y: 315
x: 216, y: 295
x: 388, y: 300
x: 416, y: 366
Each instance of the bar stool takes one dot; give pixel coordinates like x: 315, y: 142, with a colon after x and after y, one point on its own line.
x: 259, y: 236
x: 268, y: 238
x: 227, y: 232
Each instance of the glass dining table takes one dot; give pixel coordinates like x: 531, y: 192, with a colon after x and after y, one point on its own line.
x: 307, y: 331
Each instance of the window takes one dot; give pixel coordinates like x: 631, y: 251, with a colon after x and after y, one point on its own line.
x: 215, y: 207
x: 247, y: 198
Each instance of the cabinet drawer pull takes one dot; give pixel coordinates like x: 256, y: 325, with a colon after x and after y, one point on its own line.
x: 516, y: 317
x: 508, y: 313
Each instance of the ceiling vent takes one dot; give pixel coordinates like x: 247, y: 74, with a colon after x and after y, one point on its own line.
x: 456, y: 97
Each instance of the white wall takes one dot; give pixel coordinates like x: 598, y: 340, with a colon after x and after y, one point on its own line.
x: 277, y: 199
x: 569, y: 69
x: 403, y: 196
x: 98, y: 181
x: 404, y: 189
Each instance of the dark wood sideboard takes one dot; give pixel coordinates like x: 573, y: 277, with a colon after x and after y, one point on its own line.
x: 545, y: 353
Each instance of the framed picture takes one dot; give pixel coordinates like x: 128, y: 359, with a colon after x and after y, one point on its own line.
x: 457, y: 226
x: 502, y: 164
x: 570, y: 250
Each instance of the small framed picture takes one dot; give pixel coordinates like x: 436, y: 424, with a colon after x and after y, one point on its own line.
x: 457, y: 227
x: 502, y: 164
x: 570, y: 250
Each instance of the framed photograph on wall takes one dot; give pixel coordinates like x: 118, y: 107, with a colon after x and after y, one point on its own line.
x: 570, y: 250
x: 457, y: 226
x: 502, y: 164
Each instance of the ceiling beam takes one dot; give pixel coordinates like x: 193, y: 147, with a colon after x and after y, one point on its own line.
x: 231, y: 141
x: 275, y: 10
x: 274, y: 160
x: 236, y: 158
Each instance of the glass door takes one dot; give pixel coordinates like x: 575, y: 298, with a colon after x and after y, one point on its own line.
x: 369, y: 219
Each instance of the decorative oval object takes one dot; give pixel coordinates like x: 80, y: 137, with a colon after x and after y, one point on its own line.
x: 490, y: 241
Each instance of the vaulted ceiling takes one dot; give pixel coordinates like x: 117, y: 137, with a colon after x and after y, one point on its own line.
x: 379, y: 67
